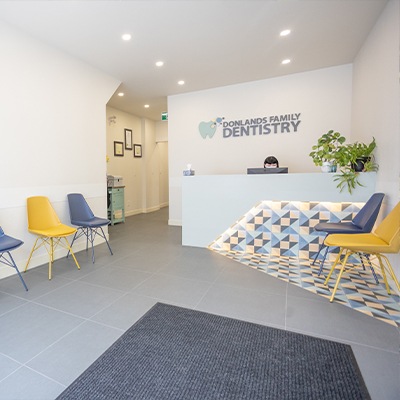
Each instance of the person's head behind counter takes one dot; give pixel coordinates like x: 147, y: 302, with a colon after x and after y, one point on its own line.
x: 271, y: 162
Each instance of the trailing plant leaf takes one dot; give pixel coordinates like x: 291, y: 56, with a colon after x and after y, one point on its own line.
x: 349, y: 179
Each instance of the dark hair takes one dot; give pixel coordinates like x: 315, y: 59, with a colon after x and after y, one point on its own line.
x: 271, y: 160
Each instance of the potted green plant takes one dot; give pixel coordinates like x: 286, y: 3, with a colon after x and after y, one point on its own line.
x: 327, y: 150
x: 361, y: 156
x: 355, y: 158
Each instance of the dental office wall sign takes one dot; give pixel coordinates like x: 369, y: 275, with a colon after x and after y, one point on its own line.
x: 259, y: 126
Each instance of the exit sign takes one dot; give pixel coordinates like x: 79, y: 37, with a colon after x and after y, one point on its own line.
x: 164, y: 116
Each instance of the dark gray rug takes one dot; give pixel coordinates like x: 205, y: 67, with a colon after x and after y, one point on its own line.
x: 176, y: 353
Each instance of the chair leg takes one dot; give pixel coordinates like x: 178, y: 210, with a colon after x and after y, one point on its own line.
x: 333, y: 266
x: 319, y: 250
x: 378, y: 256
x: 73, y: 240
x: 104, y: 236
x: 90, y: 234
x: 362, y: 261
x: 16, y: 268
x: 86, y: 230
x: 340, y: 275
x: 391, y: 271
x: 51, y: 256
x: 11, y: 263
x: 30, y: 255
x: 371, y: 266
x: 91, y: 241
x: 72, y: 253
x: 321, y: 267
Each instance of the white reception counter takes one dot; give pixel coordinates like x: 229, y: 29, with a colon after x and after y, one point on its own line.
x: 211, y: 204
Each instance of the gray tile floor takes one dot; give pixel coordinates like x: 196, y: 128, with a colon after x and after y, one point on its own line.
x: 52, y: 333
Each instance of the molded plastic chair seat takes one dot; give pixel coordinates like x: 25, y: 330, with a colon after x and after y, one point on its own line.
x: 369, y: 242
x: 385, y: 239
x: 56, y: 231
x: 363, y: 222
x: 89, y: 225
x: 94, y: 222
x: 7, y: 244
x: 44, y: 222
x: 338, y: 227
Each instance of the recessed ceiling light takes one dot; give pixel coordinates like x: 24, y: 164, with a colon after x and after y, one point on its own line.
x: 126, y: 36
x: 146, y: 106
x: 120, y: 94
x: 285, y: 32
x: 287, y: 61
x: 181, y: 82
x: 160, y: 63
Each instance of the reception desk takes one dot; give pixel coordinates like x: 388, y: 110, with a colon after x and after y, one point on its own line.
x: 211, y: 204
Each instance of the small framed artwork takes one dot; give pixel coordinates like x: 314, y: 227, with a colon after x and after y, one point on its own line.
x: 137, y: 150
x: 128, y: 139
x: 118, y: 149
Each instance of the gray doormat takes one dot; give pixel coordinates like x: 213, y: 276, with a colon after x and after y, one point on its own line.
x: 176, y: 353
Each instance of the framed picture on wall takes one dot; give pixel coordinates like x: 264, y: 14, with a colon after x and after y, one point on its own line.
x: 128, y: 139
x: 137, y: 150
x: 118, y: 149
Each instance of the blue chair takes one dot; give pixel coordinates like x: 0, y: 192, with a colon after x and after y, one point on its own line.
x: 83, y: 217
x: 8, y: 243
x: 363, y: 222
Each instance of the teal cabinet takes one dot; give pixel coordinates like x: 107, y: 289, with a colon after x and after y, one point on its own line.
x: 116, y: 204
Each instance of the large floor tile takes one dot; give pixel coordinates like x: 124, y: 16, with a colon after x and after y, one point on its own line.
x: 66, y: 359
x: 31, y: 328
x: 7, y: 366
x: 80, y: 298
x: 37, y: 281
x: 124, y: 312
x: 381, y: 371
x: 241, y: 276
x: 245, y: 304
x: 338, y: 322
x: 201, y: 266
x: 26, y: 384
x: 150, y: 261
x: 297, y: 291
x: 117, y: 278
x: 180, y: 291
x: 8, y: 302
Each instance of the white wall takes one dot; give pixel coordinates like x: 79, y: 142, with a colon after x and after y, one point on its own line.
x: 161, y: 131
x: 376, y: 100
x: 151, y: 166
x: 145, y: 178
x: 323, y: 97
x: 164, y: 188
x: 376, y: 103
x: 52, y: 134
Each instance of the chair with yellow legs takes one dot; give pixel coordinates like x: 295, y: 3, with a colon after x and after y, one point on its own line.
x: 384, y: 240
x: 44, y: 222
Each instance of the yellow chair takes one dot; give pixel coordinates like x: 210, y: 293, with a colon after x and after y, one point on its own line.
x: 44, y: 222
x: 385, y: 239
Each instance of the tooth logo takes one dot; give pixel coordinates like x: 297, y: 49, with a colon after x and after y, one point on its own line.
x: 209, y: 128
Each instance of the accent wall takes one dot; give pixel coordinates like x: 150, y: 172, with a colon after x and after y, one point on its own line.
x: 309, y: 104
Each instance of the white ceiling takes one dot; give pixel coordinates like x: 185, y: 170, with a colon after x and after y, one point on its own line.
x: 206, y: 43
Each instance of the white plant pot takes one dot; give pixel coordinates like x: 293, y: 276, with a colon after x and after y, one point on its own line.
x: 326, y: 166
